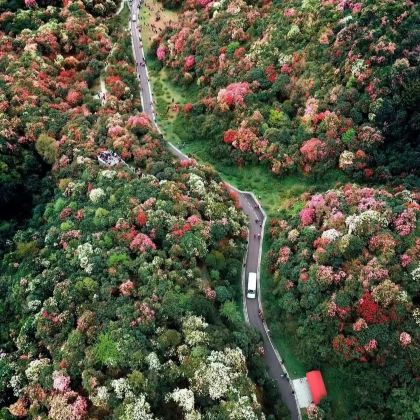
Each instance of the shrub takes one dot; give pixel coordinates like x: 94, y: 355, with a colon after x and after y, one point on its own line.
x: 106, y: 351
x: 46, y: 146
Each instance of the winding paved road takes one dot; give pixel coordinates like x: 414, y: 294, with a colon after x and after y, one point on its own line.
x: 253, y: 210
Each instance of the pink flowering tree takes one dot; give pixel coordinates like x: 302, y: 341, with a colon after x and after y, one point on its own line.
x: 189, y: 62
x: 142, y: 243
x: 161, y: 52
x: 203, y: 3
x: 139, y: 124
x: 312, y: 151
x: 233, y: 95
x: 30, y: 3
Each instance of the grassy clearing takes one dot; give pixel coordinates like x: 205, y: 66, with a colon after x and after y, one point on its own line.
x: 148, y: 13
x: 275, y: 193
x: 167, y: 97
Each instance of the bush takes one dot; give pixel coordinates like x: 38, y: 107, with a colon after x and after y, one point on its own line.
x: 46, y: 146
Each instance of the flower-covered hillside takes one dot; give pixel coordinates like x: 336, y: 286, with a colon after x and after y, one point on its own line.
x: 347, y: 270
x: 301, y: 85
x: 50, y: 58
x: 110, y: 307
x: 120, y: 300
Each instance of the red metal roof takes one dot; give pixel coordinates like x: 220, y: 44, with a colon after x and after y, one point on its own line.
x: 316, y: 385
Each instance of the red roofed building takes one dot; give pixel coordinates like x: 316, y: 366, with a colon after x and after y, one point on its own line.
x: 316, y: 385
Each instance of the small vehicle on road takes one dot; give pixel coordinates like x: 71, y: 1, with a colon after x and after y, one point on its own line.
x: 134, y: 17
x: 252, y: 286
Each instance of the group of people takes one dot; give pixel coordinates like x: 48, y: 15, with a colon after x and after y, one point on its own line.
x: 154, y: 10
x: 109, y: 158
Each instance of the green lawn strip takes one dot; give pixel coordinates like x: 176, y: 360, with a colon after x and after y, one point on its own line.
x: 339, y: 392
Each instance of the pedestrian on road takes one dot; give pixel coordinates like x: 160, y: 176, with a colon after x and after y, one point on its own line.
x: 260, y: 225
x: 259, y: 236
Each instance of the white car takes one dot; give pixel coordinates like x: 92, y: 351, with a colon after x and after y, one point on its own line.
x: 134, y: 17
x: 252, y: 286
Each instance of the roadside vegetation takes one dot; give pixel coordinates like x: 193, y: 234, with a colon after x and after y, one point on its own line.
x: 295, y: 105
x: 118, y: 297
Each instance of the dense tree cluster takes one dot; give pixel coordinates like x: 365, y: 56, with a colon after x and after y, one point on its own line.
x: 50, y: 59
x: 347, y: 268
x: 335, y: 83
x: 310, y: 86
x: 122, y: 298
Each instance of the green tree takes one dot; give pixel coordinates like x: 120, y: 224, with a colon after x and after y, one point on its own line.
x: 47, y: 147
x: 230, y: 311
x: 106, y: 351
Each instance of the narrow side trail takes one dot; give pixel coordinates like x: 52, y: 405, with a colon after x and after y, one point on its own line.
x: 252, y: 209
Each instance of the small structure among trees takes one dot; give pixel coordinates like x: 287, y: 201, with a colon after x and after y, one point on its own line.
x: 109, y: 158
x: 316, y: 385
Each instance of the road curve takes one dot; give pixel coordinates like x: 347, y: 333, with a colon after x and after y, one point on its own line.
x: 252, y: 209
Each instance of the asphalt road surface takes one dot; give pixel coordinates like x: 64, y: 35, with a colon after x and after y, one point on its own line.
x: 250, y: 206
